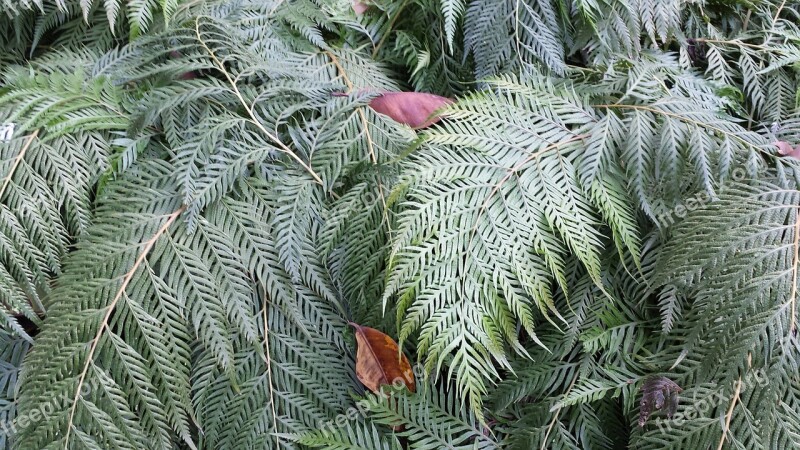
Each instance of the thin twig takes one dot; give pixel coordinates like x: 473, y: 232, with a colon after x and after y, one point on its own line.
x: 349, y: 85
x: 268, y: 361
x: 519, y: 167
x: 796, y: 262
x: 778, y: 13
x: 734, y: 42
x: 747, y: 19
x: 556, y: 415
x: 365, y: 126
x: 516, y: 34
x: 729, y: 414
x: 389, y: 28
x: 687, y: 120
x: 17, y: 160
x: 281, y: 146
x: 275, y: 7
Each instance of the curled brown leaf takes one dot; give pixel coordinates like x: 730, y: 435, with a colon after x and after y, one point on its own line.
x: 379, y: 361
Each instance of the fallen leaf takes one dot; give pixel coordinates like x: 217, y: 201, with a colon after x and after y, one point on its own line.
x: 658, y: 393
x: 379, y: 361
x: 415, y: 109
x: 786, y: 149
x: 359, y: 7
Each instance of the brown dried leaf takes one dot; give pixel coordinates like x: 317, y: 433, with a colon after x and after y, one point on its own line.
x: 415, y: 109
x: 786, y: 149
x: 359, y: 7
x: 379, y: 361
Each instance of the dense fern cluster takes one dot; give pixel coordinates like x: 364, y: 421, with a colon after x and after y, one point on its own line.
x: 197, y: 198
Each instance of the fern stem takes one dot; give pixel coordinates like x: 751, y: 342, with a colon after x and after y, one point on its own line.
x: 148, y: 245
x: 778, y: 13
x: 558, y: 413
x: 734, y: 42
x: 365, y: 126
x: 516, y: 34
x: 796, y: 262
x: 281, y: 146
x: 746, y: 22
x: 275, y: 7
x: 729, y: 414
x: 687, y: 120
x: 389, y: 28
x: 516, y: 169
x: 360, y: 110
x: 268, y: 361
x: 17, y: 160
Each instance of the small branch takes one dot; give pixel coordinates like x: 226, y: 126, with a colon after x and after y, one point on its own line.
x: 556, y: 415
x: 778, y: 13
x: 519, y: 167
x: 148, y: 245
x: 389, y: 28
x: 281, y: 146
x: 516, y: 34
x: 736, y: 43
x: 746, y: 22
x: 795, y: 268
x: 729, y: 414
x: 361, y: 114
x: 275, y: 7
x: 686, y: 120
x: 17, y: 160
x: 268, y: 361
x: 364, y: 125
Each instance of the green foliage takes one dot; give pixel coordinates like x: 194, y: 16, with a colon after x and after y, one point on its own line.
x: 196, y: 199
x: 64, y: 120
x: 14, y: 350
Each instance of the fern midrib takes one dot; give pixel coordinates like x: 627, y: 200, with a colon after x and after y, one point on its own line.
x: 690, y: 121
x: 104, y: 323
x: 795, y: 268
x: 281, y: 146
x: 18, y: 160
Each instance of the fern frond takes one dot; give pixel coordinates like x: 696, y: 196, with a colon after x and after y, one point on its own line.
x: 60, y: 147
